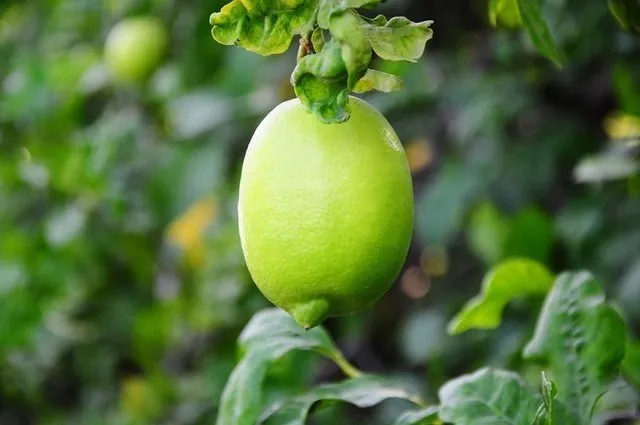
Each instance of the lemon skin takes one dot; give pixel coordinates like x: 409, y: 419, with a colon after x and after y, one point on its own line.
x: 325, y: 210
x: 134, y: 47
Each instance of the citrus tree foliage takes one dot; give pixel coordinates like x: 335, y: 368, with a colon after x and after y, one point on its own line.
x: 328, y: 70
x: 583, y: 358
x: 122, y: 285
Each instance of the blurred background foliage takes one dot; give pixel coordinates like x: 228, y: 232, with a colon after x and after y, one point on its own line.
x: 122, y: 283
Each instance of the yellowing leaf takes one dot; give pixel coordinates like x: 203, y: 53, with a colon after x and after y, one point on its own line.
x: 622, y: 126
x: 511, y: 279
x: 187, y: 230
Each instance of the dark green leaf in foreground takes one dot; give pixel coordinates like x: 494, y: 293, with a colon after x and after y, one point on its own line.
x: 263, y: 26
x: 534, y: 22
x: 583, y: 340
x: 627, y: 13
x: 491, y: 396
x: 510, y: 279
x: 364, y: 391
x: 269, y: 335
x: 426, y: 416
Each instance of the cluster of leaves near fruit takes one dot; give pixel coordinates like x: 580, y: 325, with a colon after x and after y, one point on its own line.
x: 579, y: 338
x: 327, y: 70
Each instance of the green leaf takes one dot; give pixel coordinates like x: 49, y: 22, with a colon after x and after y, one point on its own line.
x: 397, y: 39
x: 544, y: 415
x: 631, y: 362
x: 320, y: 82
x: 263, y: 26
x: 329, y: 8
x: 495, y: 7
x: 487, y: 232
x: 531, y: 235
x: 269, y: 336
x: 627, y: 13
x: 511, y: 279
x: 317, y: 40
x: 377, y: 80
x: 534, y: 22
x: 504, y: 12
x: 426, y: 416
x: 583, y: 340
x: 491, y: 396
x: 323, y: 81
x: 364, y: 391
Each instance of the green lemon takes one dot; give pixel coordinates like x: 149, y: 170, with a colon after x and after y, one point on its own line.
x: 325, y: 210
x: 134, y: 47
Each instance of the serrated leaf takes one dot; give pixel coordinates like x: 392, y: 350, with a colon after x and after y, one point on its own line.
x: 265, y: 27
x: 530, y: 12
x: 364, y: 391
x: 583, y: 340
x: 631, y: 362
x: 426, y: 416
x: 627, y: 13
x: 397, y: 39
x: 269, y: 336
x: 377, y: 80
x: 510, y: 279
x: 488, y: 396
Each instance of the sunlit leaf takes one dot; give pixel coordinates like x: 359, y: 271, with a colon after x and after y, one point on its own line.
x: 263, y: 26
x: 583, y: 340
x: 510, y: 279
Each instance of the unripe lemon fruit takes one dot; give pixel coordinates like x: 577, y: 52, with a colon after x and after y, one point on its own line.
x: 134, y: 47
x: 325, y: 210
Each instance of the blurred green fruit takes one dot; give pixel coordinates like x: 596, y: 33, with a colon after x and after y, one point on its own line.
x: 134, y: 47
x: 325, y: 210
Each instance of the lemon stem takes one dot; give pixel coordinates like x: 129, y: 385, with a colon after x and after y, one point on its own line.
x: 350, y: 370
